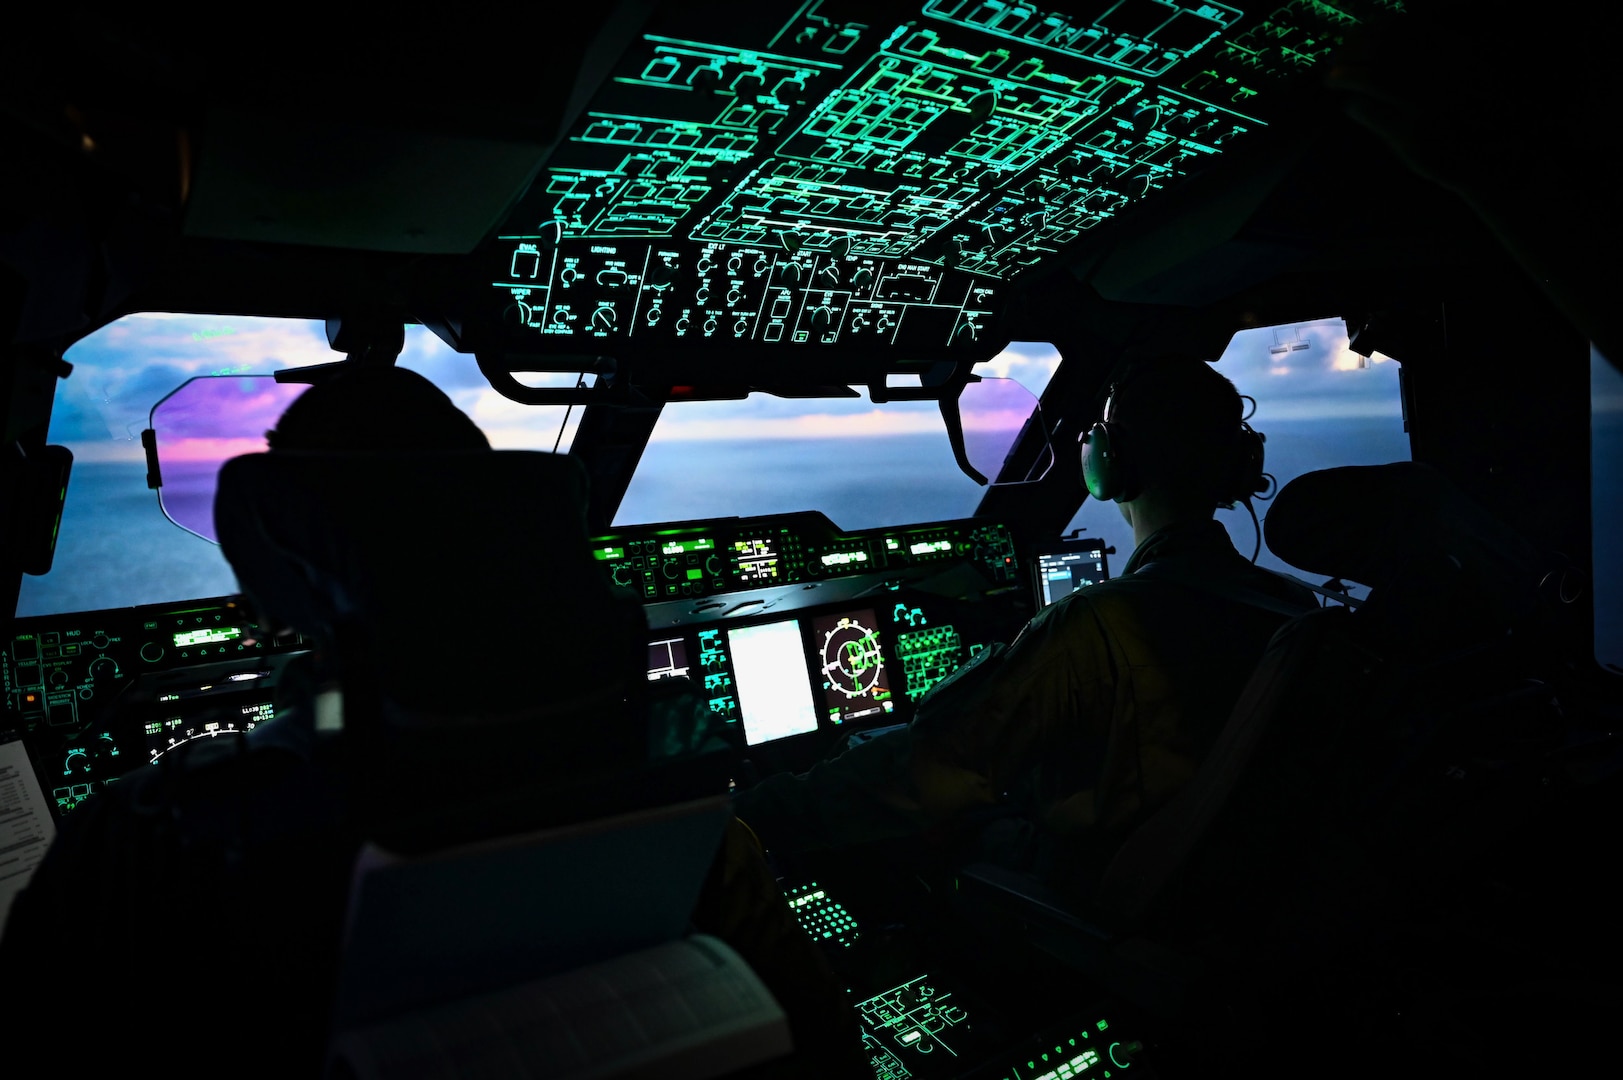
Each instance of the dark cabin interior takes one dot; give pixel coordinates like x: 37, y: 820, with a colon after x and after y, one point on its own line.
x: 881, y: 195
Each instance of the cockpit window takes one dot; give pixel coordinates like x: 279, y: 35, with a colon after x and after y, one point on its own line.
x: 1606, y: 507
x: 115, y: 547
x: 863, y: 464
x: 1319, y: 404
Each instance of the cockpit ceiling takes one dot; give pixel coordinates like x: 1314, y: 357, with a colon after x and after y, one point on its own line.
x: 836, y: 173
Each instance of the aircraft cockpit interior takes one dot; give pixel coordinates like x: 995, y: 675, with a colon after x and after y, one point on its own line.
x: 797, y: 330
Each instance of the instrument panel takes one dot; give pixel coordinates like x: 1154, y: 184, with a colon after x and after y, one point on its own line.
x: 857, y: 173
x: 693, y: 559
x: 96, y: 694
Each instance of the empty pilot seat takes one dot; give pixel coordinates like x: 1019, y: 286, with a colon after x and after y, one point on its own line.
x: 1276, y: 854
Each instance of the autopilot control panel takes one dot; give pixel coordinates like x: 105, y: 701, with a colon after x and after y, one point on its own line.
x: 692, y: 559
x: 872, y: 173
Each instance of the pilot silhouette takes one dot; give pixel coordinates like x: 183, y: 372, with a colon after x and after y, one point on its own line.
x: 251, y: 843
x: 1045, y: 754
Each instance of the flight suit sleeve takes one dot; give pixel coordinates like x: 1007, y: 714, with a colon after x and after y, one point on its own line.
x: 861, y: 796
x: 1055, y: 684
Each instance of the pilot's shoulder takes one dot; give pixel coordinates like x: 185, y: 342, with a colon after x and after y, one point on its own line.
x: 1283, y: 586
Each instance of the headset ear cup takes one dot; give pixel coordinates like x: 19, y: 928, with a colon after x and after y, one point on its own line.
x: 1102, y: 469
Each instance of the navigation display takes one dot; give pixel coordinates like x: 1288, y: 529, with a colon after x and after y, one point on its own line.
x: 769, y: 675
x: 852, y: 666
x: 1065, y: 570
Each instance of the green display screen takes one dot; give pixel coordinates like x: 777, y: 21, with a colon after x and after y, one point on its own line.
x: 207, y: 637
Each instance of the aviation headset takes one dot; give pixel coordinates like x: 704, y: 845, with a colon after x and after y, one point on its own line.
x: 1111, y: 474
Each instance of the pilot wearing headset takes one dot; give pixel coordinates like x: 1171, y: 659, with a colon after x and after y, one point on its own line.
x: 1045, y: 754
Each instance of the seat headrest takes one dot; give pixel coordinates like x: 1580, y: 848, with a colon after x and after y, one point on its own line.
x: 470, y: 572
x: 1371, y: 524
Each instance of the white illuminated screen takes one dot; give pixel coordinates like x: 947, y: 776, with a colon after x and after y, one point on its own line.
x: 769, y: 671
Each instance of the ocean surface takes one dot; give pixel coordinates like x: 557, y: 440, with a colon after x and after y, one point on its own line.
x: 117, y: 549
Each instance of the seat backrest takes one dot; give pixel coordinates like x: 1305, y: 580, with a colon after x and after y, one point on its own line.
x: 1326, y: 704
x: 479, y: 645
x: 469, y: 574
x: 1156, y: 853
x: 486, y: 916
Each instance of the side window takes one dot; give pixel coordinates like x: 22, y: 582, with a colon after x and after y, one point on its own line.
x: 116, y: 548
x: 1318, y: 403
x: 1606, y: 507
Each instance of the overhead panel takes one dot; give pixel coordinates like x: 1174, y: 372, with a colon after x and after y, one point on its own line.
x: 860, y: 174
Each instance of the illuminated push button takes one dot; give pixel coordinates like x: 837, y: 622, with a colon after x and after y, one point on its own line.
x: 705, y: 78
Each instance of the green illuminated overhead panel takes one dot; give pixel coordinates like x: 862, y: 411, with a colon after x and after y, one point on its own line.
x: 880, y: 174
